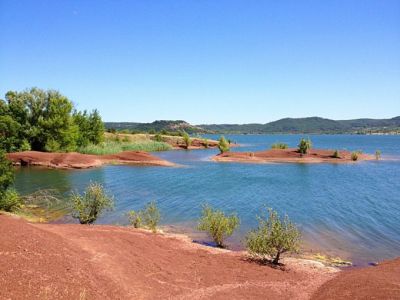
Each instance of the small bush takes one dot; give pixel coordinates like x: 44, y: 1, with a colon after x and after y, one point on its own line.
x: 149, y: 217
x: 186, y: 140
x: 279, y: 146
x: 273, y: 237
x: 304, y: 146
x: 91, y: 204
x: 354, y: 156
x: 223, y: 145
x: 336, y: 154
x: 205, y: 143
x: 378, y: 154
x: 135, y: 218
x: 158, y: 138
x: 217, y: 224
x: 10, y: 200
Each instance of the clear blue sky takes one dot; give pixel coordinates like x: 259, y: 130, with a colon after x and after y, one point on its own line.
x: 207, y: 61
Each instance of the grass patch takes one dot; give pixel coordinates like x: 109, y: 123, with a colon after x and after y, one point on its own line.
x: 113, y: 147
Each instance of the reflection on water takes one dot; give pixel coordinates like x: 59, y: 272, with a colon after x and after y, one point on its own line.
x: 350, y: 209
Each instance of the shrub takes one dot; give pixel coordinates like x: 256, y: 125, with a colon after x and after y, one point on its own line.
x: 378, y: 154
x: 354, y: 156
x: 217, y: 224
x: 273, y: 237
x: 186, y: 140
x: 158, y: 138
x: 6, y: 173
x: 336, y: 154
x: 148, y: 217
x: 135, y: 218
x: 304, y: 146
x: 91, y: 204
x: 205, y: 143
x: 10, y: 201
x: 223, y: 145
x: 151, y: 216
x: 279, y: 146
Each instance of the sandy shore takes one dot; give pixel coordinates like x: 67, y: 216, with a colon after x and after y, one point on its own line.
x: 75, y: 160
x: 44, y: 261
x: 290, y: 156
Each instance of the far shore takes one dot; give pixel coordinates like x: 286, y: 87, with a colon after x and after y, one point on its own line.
x: 292, y: 155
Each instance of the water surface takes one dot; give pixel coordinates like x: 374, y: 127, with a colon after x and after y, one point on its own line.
x: 352, y: 210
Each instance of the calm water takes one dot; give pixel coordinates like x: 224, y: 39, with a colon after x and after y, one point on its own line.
x: 352, y: 210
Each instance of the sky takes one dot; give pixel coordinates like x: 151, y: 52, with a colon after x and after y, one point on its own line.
x: 207, y: 61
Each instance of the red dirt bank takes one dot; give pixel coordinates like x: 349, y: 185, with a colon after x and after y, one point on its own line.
x: 290, y: 156
x: 43, y: 261
x: 75, y: 160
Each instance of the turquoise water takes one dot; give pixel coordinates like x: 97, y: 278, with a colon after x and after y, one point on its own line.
x: 352, y: 210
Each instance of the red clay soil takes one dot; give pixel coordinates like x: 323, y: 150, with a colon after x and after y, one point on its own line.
x: 59, y: 261
x: 380, y: 282
x: 290, y: 156
x: 75, y: 160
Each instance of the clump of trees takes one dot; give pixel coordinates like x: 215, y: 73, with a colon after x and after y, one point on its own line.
x: 223, y: 145
x: 354, y: 156
x: 9, y: 198
x: 149, y: 217
x: 45, y: 120
x: 279, y: 146
x: 87, y: 207
x: 273, y: 237
x: 218, y: 225
x: 304, y: 146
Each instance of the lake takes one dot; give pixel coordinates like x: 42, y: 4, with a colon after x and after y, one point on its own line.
x: 351, y: 210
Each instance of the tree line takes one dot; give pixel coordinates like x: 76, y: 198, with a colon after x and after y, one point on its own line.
x: 46, y: 120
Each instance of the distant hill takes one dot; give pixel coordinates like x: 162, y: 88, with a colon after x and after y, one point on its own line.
x: 157, y: 126
x: 286, y: 125
x: 311, y: 125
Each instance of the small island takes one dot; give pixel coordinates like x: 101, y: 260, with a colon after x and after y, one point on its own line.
x: 280, y: 153
x: 74, y: 160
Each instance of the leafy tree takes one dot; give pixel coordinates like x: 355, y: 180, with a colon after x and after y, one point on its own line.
x: 43, y: 120
x: 91, y: 204
x: 304, y: 146
x: 223, y: 145
x: 273, y: 237
x: 217, y: 224
x: 135, y: 218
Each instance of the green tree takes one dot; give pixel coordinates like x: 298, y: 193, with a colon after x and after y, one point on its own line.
x: 273, y: 237
x: 304, y: 146
x: 217, y: 224
x: 148, y: 217
x: 6, y: 173
x: 88, y: 206
x: 42, y: 120
x: 223, y: 145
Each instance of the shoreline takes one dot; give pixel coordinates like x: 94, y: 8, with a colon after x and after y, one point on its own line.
x: 108, y: 262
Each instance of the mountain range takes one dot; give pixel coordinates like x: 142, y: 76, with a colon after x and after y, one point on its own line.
x: 309, y: 125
